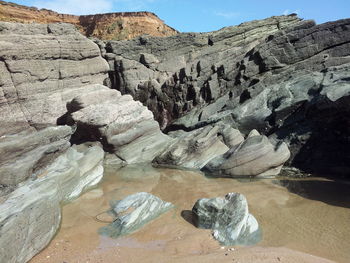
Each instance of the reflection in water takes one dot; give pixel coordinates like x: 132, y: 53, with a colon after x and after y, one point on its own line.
x: 330, y: 192
x: 310, y: 216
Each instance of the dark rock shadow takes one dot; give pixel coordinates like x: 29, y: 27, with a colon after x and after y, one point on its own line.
x: 334, y: 193
x: 188, y: 216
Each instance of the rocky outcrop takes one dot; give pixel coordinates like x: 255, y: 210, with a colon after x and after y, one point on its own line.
x: 31, y: 214
x: 175, y: 75
x: 133, y: 212
x: 256, y: 156
x: 124, y: 126
x: 23, y: 154
x: 193, y: 150
x: 286, y: 77
x: 117, y: 26
x: 223, y: 151
x: 42, y: 68
x: 229, y: 218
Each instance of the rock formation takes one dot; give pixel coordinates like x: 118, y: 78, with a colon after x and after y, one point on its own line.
x: 229, y: 218
x: 133, y: 212
x: 31, y: 214
x: 51, y: 76
x: 124, y: 126
x: 256, y: 156
x: 286, y: 77
x: 117, y: 26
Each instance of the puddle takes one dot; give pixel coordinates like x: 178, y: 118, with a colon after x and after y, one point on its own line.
x: 298, y: 218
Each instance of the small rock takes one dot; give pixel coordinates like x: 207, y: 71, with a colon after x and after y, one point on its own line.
x: 133, y: 212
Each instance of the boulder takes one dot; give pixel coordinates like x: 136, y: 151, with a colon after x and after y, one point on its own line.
x: 133, y: 212
x: 229, y: 218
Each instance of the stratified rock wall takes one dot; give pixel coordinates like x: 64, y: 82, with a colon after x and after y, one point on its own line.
x: 116, y: 26
x: 288, y: 78
x: 42, y: 67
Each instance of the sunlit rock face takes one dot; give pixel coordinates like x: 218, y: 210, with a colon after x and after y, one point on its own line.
x: 283, y: 76
x: 125, y: 127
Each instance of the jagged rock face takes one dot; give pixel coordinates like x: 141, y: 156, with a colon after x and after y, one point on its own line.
x: 285, y: 77
x: 124, y: 126
x: 42, y: 68
x: 177, y: 74
x: 229, y: 218
x: 133, y: 212
x: 117, y: 26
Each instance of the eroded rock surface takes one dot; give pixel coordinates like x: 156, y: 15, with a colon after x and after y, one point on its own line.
x: 124, y: 126
x: 31, y: 214
x: 286, y: 77
x: 23, y: 154
x: 42, y: 67
x: 256, y: 156
x: 133, y: 212
x: 229, y: 218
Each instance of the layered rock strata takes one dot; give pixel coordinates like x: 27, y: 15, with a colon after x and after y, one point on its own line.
x: 223, y: 151
x: 117, y: 26
x: 42, y: 68
x: 125, y: 127
x: 31, y: 214
x: 286, y: 77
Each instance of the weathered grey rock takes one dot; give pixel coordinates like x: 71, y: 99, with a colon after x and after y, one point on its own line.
x: 173, y: 75
x: 22, y: 154
x: 38, y: 64
x: 31, y: 214
x: 195, y: 149
x: 133, y: 212
x: 285, y: 77
x: 229, y: 218
x: 124, y: 126
x: 256, y: 156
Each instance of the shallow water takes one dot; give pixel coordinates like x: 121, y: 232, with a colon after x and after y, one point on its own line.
x: 297, y: 217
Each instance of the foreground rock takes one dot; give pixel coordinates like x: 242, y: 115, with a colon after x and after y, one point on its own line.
x: 25, y: 153
x: 229, y: 218
x: 31, y: 214
x: 124, y: 126
x: 133, y: 212
x: 256, y: 156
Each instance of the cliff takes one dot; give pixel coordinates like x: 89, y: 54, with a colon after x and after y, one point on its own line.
x: 286, y: 77
x: 111, y: 26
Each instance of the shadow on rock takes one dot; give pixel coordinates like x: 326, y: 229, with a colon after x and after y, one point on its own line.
x: 333, y: 193
x: 188, y: 216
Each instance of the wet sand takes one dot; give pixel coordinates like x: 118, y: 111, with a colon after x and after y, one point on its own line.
x: 305, y: 220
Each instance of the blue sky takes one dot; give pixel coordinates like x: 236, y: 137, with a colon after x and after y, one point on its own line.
x: 204, y: 15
